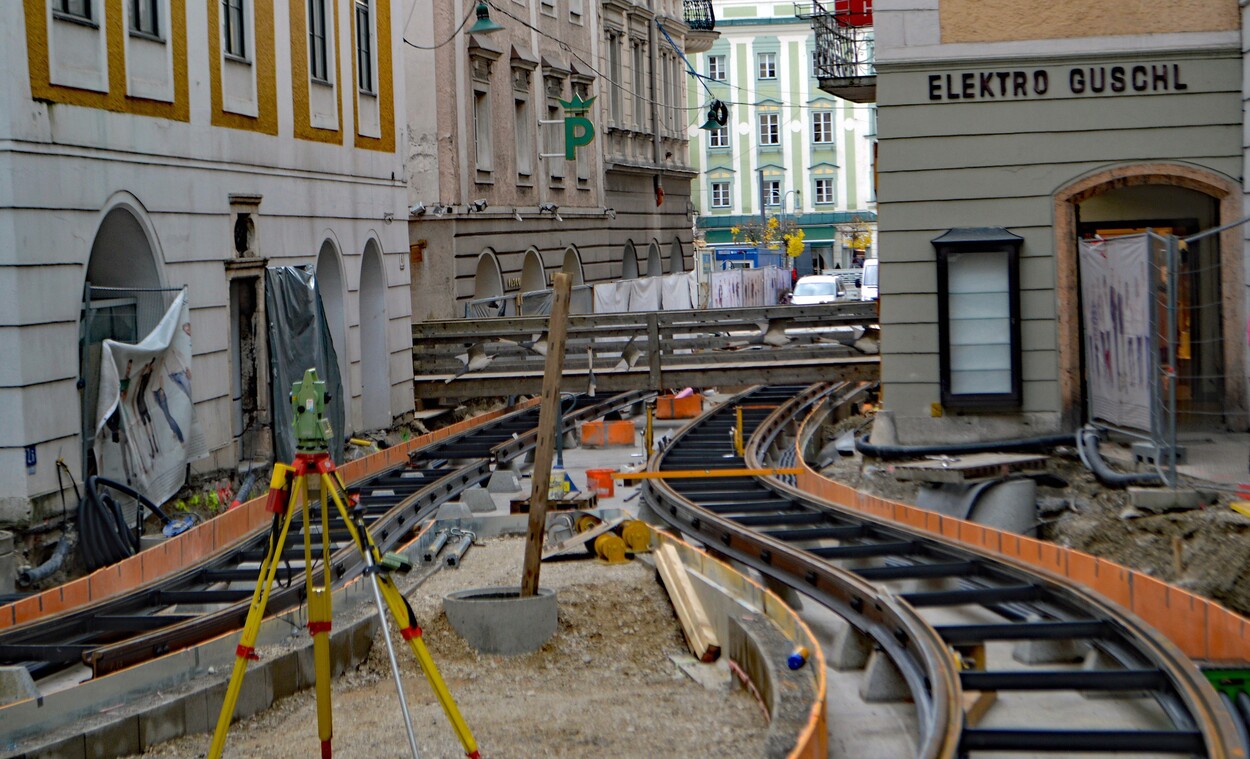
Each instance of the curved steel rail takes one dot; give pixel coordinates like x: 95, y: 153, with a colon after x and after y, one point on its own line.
x: 212, y: 598
x: 800, y: 541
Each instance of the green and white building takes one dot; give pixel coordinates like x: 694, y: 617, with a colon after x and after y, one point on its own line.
x: 807, y: 153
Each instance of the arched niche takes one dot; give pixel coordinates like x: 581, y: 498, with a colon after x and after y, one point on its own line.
x: 487, y: 279
x: 655, y: 267
x: 676, y: 257
x: 333, y: 291
x: 375, y: 374
x: 573, y: 266
x: 629, y: 262
x: 533, y: 274
x: 122, y: 254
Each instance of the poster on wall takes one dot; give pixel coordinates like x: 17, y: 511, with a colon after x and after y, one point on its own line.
x: 1116, y: 302
x: 145, y: 427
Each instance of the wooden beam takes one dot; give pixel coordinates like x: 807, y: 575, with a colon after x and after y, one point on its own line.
x: 700, y: 634
x: 557, y: 327
x: 675, y: 474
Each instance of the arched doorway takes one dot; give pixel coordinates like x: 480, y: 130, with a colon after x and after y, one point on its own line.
x: 123, y: 300
x: 1173, y: 198
x: 629, y: 262
x: 375, y: 374
x: 533, y: 275
x: 676, y: 258
x: 573, y: 266
x: 655, y: 266
x: 333, y: 299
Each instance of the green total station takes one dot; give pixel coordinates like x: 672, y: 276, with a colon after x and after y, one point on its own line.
x: 308, y: 403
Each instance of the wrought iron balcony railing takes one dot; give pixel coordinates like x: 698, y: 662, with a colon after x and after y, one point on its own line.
x: 699, y: 15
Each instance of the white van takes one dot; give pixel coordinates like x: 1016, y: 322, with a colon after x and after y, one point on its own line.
x: 868, y: 280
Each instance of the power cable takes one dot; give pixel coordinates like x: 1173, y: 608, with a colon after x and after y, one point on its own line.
x: 447, y: 41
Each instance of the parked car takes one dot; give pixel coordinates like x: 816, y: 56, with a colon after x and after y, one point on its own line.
x: 818, y: 288
x: 869, y: 279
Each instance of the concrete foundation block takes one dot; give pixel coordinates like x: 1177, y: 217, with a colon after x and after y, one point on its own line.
x: 503, y: 481
x: 882, y: 681
x: 286, y: 676
x: 1159, y: 500
x: 883, y: 430
x: 118, y: 738
x: 161, y: 723
x: 8, y: 563
x: 452, y: 511
x: 74, y: 747
x: 478, y: 500
x: 850, y: 650
x: 16, y: 685
x: 1064, y: 651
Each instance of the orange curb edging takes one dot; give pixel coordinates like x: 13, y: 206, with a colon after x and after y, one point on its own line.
x: 1202, y: 629
x: 206, y: 538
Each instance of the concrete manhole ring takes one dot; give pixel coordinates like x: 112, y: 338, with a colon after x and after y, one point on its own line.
x: 499, y: 621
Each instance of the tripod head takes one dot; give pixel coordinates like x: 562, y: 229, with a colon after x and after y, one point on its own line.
x: 308, y: 402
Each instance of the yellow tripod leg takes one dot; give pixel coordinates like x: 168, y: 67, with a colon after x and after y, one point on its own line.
x: 251, y: 629
x: 319, y: 619
x: 410, y: 630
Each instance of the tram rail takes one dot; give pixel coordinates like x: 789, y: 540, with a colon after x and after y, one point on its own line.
x: 846, y: 560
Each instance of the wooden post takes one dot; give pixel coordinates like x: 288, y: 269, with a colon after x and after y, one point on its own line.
x: 653, y: 344
x: 557, y: 327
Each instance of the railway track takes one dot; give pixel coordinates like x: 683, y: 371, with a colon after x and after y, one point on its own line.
x: 929, y: 603
x: 212, y: 598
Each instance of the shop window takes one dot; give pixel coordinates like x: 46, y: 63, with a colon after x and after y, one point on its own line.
x: 979, y: 317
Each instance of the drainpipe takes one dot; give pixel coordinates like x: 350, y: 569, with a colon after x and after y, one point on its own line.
x: 654, y: 57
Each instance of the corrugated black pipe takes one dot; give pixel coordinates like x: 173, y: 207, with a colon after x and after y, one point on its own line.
x: 1087, y: 445
x: 1043, y: 443
x: 29, y: 577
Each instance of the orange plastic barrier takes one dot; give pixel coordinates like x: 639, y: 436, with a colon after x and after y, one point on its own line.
x: 602, y: 434
x: 672, y: 407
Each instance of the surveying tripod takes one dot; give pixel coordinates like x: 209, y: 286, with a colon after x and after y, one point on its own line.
x: 289, y: 491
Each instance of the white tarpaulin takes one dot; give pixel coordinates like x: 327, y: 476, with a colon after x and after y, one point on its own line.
x: 145, y: 431
x: 726, y: 289
x: 611, y: 297
x: 644, y: 294
x: 676, y: 292
x: 1116, y: 301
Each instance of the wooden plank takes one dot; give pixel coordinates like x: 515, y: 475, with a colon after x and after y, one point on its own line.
x: 673, y: 474
x: 547, y: 417
x: 700, y: 635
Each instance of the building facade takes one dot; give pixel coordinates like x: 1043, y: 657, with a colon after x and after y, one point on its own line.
x: 803, y: 154
x: 495, y: 205
x: 1014, y: 132
x: 158, y: 144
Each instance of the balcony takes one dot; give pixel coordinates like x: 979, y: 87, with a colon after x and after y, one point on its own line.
x: 701, y: 21
x: 843, y: 62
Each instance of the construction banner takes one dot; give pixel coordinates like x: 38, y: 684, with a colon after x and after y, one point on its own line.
x: 1116, y: 302
x: 145, y: 428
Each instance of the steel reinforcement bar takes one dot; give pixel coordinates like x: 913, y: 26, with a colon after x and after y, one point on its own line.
x: 852, y: 563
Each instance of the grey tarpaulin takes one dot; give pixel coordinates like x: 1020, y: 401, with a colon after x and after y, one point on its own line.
x: 299, y: 339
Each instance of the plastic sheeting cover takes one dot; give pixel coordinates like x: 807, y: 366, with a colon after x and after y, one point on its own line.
x: 299, y: 339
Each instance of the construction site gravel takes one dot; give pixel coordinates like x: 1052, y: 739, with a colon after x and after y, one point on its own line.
x: 603, y: 685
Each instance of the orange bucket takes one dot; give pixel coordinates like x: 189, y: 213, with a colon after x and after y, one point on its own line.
x: 600, y: 481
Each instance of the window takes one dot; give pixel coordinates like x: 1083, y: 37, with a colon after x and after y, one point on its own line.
x: 524, y: 128
x: 144, y: 18
x: 317, y: 63
x: 615, y: 115
x: 824, y: 191
x: 718, y: 138
x: 575, y: 11
x: 235, y: 31
x: 720, y: 195
x: 767, y: 65
x: 582, y: 163
x: 716, y: 67
x: 822, y: 127
x: 79, y: 10
x: 484, y: 148
x: 640, y: 86
x: 979, y: 317
x: 555, y: 144
x: 364, y: 47
x: 772, y: 192
x: 770, y: 129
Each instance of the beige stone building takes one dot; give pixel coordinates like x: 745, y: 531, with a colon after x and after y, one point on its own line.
x: 495, y: 206
x: 1011, y: 131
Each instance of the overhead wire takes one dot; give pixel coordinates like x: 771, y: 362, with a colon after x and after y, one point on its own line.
x: 447, y: 41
